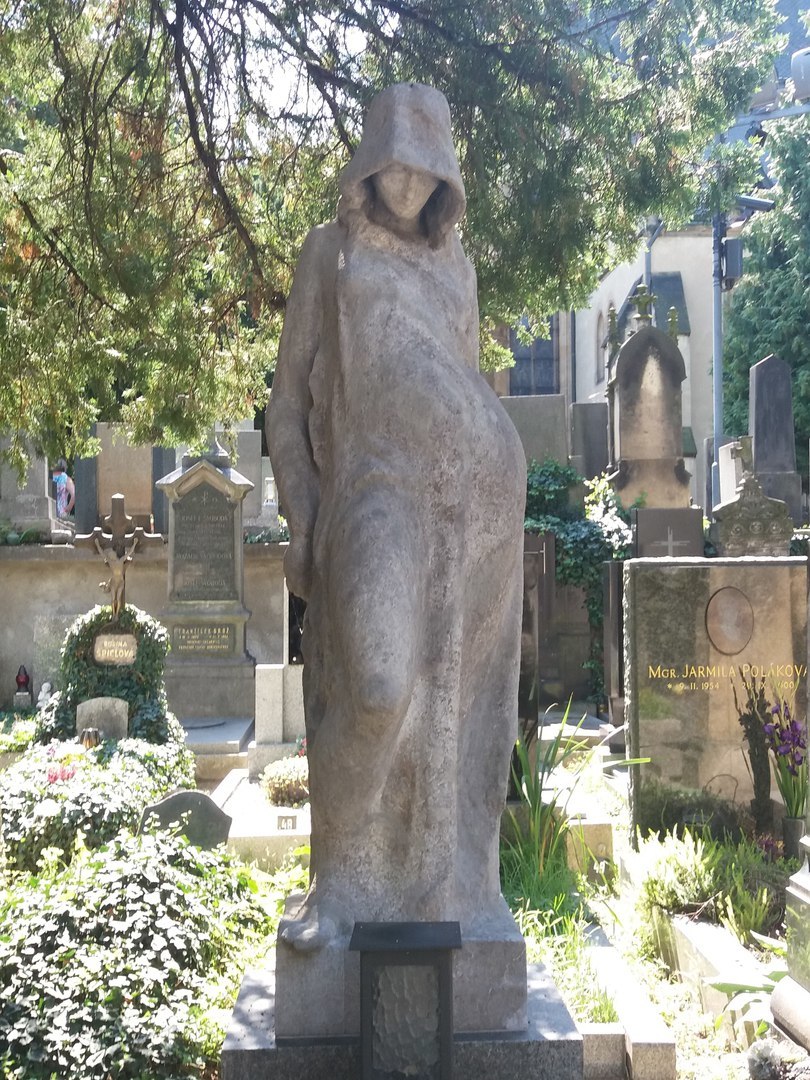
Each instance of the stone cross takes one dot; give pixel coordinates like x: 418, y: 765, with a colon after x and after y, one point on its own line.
x: 643, y: 301
x: 112, y: 547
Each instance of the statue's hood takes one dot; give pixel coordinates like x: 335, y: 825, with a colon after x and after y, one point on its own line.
x: 408, y: 124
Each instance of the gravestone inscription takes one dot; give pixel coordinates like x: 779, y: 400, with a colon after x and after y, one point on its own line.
x: 695, y: 629
x: 209, y: 674
x: 204, y: 557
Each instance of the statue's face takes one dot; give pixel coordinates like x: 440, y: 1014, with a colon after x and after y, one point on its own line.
x: 404, y: 191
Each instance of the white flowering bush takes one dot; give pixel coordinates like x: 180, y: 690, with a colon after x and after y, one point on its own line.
x: 603, y: 507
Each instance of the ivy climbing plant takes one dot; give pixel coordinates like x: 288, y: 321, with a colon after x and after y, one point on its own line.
x: 590, y: 527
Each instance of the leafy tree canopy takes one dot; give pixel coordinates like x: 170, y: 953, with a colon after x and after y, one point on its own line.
x: 770, y: 307
x: 162, y: 161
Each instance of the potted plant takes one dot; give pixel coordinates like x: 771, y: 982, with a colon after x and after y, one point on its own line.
x: 787, y: 741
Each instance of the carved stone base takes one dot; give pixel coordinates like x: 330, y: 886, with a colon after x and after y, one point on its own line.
x: 319, y: 992
x: 548, y: 1048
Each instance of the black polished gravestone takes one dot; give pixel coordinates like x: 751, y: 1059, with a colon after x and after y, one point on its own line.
x: 192, y: 813
x: 675, y: 532
x: 770, y: 424
x: 209, y: 673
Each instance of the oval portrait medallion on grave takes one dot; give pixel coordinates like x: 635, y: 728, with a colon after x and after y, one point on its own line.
x: 729, y: 620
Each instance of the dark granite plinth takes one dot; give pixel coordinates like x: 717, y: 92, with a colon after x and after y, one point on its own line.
x: 550, y: 1048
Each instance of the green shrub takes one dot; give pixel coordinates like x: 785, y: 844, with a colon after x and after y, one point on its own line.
x: 730, y: 883
x: 17, y: 731
x: 114, y: 965
x: 661, y: 808
x: 55, y: 792
x: 286, y: 782
x: 533, y: 861
x: 681, y: 874
x: 140, y: 684
x: 548, y: 488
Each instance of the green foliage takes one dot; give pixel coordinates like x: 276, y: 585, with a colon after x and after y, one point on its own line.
x: 664, y: 808
x: 567, y: 955
x: 55, y: 793
x: 17, y: 730
x: 585, y: 537
x: 533, y: 845
x: 722, y: 881
x: 770, y: 306
x: 113, y: 964
x: 161, y: 167
x: 682, y: 874
x: 140, y: 684
x: 548, y: 490
x: 286, y: 782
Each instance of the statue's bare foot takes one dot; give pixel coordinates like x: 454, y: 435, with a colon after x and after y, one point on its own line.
x: 317, y: 924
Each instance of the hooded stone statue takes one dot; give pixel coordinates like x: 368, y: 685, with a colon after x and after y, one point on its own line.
x: 403, y: 483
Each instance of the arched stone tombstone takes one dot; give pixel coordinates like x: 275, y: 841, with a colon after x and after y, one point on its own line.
x: 647, y: 421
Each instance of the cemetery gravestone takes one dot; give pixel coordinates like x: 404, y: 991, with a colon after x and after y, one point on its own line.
x: 672, y: 533
x: 693, y: 630
x: 110, y: 715
x: 196, y: 814
x: 29, y: 505
x: 539, y: 659
x: 736, y: 459
x: 770, y: 409
x: 589, y: 437
x: 646, y: 420
x: 209, y: 674
x: 752, y: 524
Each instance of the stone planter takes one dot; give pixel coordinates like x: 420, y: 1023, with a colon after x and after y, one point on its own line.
x: 697, y: 951
x: 640, y: 1045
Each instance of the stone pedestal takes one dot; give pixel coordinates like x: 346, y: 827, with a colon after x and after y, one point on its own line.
x: 209, y: 673
x: 790, y: 1001
x: 320, y: 991
x: 547, y: 1047
x: 22, y: 700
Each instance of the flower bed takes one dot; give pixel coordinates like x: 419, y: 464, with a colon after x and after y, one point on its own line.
x: 56, y: 792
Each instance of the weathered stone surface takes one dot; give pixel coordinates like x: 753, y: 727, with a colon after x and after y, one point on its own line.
x: 202, y: 822
x: 770, y: 424
x: 550, y: 1048
x: 752, y: 523
x: 589, y: 436
x: 209, y: 673
x: 676, y: 532
x: 644, y: 394
x: 403, y: 483
x: 693, y: 629
x: 109, y: 714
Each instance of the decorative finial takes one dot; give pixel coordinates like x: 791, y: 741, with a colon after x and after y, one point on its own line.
x: 672, y: 323
x: 643, y: 300
x: 613, y: 333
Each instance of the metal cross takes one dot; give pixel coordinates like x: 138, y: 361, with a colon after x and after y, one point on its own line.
x: 117, y: 548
